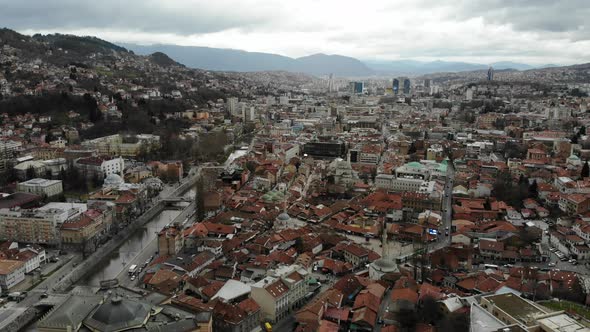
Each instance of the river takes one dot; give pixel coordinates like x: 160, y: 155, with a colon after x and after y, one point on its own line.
x: 111, y: 266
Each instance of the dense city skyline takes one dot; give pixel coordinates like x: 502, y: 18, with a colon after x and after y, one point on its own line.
x: 312, y: 184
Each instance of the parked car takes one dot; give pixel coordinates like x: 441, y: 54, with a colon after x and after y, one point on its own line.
x: 551, y: 264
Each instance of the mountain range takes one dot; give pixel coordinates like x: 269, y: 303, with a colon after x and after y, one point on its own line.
x: 316, y: 64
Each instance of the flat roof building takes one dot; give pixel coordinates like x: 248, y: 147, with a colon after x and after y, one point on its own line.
x: 41, y: 187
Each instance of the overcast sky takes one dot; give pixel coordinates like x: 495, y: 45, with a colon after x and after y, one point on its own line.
x: 531, y: 31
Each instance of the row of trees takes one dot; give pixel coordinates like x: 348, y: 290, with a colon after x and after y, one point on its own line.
x: 511, y: 192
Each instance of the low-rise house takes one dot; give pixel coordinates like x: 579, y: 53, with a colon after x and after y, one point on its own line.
x: 489, y: 248
x: 356, y: 255
x: 241, y: 317
x: 32, y: 256
x: 12, y: 272
x: 574, y: 203
x: 582, y: 252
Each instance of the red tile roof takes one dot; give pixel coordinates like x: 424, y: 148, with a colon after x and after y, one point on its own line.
x: 277, y: 289
x: 404, y: 294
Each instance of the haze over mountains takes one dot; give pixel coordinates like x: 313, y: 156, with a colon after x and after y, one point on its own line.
x: 316, y: 64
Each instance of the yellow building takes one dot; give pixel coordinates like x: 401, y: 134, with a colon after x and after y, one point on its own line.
x: 86, y: 227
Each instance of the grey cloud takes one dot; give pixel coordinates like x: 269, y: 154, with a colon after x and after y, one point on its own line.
x: 567, y: 18
x: 131, y: 15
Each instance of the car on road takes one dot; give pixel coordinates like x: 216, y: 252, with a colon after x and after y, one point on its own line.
x: 551, y: 264
x: 44, y: 295
x: 133, y: 277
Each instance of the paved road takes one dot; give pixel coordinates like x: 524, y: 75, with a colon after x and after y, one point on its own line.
x: 13, y: 310
x: 562, y: 266
x: 34, y: 295
x: 385, y: 305
x: 287, y: 324
x: 447, y: 219
x: 145, y: 254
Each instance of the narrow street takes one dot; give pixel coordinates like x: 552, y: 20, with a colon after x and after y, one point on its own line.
x: 383, y: 308
x: 447, y: 219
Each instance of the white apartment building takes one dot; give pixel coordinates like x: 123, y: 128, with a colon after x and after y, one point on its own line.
x: 8, y: 151
x: 272, y: 295
x: 32, y: 257
x: 100, y: 167
x: 296, y: 278
x: 392, y: 183
x: 12, y: 272
x: 477, y: 148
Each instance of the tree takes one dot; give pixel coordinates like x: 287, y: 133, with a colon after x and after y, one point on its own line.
x: 506, y: 190
x: 412, y: 149
x: 428, y: 311
x: 585, y: 171
x: 455, y: 322
x: 534, y: 190
x: 514, y: 150
x: 31, y: 173
x: 200, y: 199
x: 96, y: 182
x: 575, y: 139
